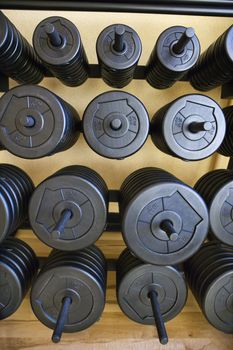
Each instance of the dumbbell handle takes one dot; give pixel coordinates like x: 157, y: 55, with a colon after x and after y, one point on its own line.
x: 159, y: 323
x: 53, y: 35
x: 119, y: 44
x: 167, y: 226
x: 185, y: 38
x: 62, y: 319
x: 60, y: 226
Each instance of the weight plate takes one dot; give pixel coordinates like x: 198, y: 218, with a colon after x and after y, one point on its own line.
x: 57, y: 55
x: 52, y: 286
x: 135, y: 286
x: 218, y: 302
x: 221, y: 213
x: 38, y: 124
x: 142, y: 217
x: 11, y: 292
x: 115, y: 124
x: 175, y: 127
x: 171, y: 60
x: 62, y: 192
x: 113, y: 59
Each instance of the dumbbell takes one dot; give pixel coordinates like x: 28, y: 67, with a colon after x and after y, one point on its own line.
x: 226, y: 148
x: 192, y: 127
x: 115, y: 124
x: 16, y: 188
x: 17, y: 57
x: 150, y: 294
x: 164, y: 221
x: 34, y: 122
x: 216, y: 187
x: 118, y: 50
x: 175, y: 52
x: 68, y: 210
x: 215, y: 65
x: 18, y: 267
x: 69, y: 292
x: 210, y: 276
x: 58, y: 44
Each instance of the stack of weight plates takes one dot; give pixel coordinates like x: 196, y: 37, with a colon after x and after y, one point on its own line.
x: 15, y: 190
x: 79, y: 275
x: 216, y: 188
x: 210, y: 277
x: 18, y: 267
x: 17, y: 58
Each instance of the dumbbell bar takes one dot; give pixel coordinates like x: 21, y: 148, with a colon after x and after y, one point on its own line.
x: 115, y: 124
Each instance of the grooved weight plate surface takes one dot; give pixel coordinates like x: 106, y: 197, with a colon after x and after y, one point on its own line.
x: 62, y: 192
x: 218, y: 302
x: 165, y: 201
x: 221, y: 214
x: 113, y: 59
x: 45, y: 108
x: 193, y: 109
x: 115, y: 124
x: 11, y: 291
x: 177, y: 62
x: 139, y: 281
x: 64, y: 53
x: 53, y: 285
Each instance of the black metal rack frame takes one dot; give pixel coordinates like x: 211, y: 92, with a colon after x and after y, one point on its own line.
x: 183, y: 7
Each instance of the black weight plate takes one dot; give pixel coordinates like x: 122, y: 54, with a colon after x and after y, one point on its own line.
x: 168, y: 58
x: 62, y: 192
x: 80, y: 260
x: 165, y: 201
x: 25, y: 252
x: 220, y: 211
x: 133, y: 292
x: 48, y: 114
x: 115, y: 124
x: 112, y: 59
x: 6, y: 214
x: 60, y: 55
x: 52, y: 286
x: 68, y: 192
x: 11, y: 293
x: 218, y: 302
x: 180, y: 114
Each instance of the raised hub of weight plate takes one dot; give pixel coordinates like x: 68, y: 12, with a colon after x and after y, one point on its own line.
x: 34, y: 122
x: 15, y: 191
x: 164, y: 221
x: 57, y: 42
x: 115, y: 124
x: 118, y: 50
x: 18, y: 267
x: 150, y: 294
x: 210, y: 277
x: 69, y: 293
x: 68, y: 211
x: 192, y: 127
x: 176, y: 51
x: 215, y: 65
x: 17, y: 57
x: 216, y: 188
